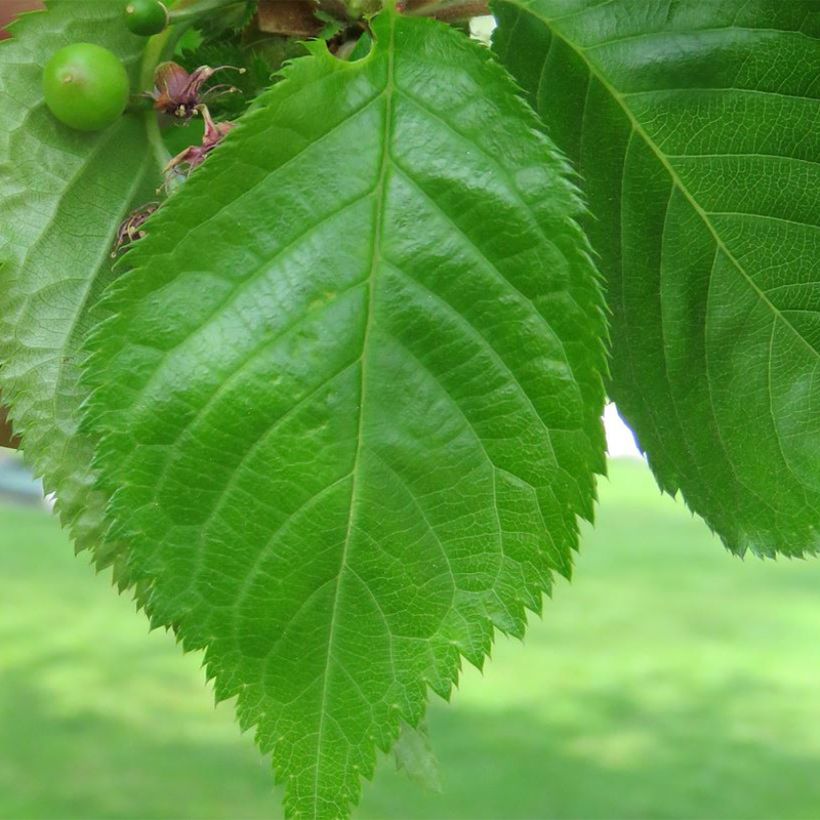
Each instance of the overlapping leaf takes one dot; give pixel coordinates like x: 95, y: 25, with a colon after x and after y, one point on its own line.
x: 62, y: 195
x: 696, y: 127
x: 349, y: 399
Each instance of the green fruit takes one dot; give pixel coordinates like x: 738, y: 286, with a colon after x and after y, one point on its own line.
x: 85, y: 86
x: 146, y: 17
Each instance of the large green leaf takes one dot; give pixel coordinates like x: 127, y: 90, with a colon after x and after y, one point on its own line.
x: 63, y: 194
x: 696, y: 128
x: 349, y: 400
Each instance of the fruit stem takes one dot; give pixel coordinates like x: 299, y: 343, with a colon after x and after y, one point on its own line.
x: 151, y: 57
x: 158, y: 48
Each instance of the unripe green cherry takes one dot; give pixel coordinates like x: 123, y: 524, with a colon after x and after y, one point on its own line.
x: 85, y: 86
x: 146, y: 17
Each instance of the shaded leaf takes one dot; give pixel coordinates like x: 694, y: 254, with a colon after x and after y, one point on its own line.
x: 696, y: 127
x: 63, y: 195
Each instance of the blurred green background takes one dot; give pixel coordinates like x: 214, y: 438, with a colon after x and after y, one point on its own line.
x: 669, y: 681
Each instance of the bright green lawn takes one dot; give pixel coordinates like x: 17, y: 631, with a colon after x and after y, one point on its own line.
x: 670, y: 680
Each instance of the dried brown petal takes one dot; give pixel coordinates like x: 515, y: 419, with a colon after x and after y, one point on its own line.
x: 194, y: 155
x: 130, y: 229
x: 178, y: 93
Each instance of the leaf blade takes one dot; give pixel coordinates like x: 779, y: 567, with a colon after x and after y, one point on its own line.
x: 339, y: 466
x: 63, y: 195
x: 697, y: 142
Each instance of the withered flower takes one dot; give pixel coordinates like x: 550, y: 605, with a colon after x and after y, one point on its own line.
x: 194, y: 155
x: 131, y: 228
x: 179, y: 94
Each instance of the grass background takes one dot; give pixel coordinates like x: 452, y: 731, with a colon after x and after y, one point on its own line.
x: 669, y: 681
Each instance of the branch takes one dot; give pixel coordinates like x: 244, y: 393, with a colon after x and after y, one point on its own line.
x: 448, y: 11
x: 7, y: 437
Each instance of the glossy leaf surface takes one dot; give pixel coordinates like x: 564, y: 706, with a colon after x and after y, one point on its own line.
x: 696, y: 128
x: 350, y: 399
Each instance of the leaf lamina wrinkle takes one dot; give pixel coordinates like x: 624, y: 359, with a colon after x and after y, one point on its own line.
x: 349, y: 396
x: 696, y: 129
x: 63, y: 196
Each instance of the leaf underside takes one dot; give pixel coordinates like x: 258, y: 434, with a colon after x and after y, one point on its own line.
x: 63, y: 194
x: 696, y: 128
x: 349, y: 398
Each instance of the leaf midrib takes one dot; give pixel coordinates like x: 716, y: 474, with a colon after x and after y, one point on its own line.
x: 618, y: 97
x: 375, y: 255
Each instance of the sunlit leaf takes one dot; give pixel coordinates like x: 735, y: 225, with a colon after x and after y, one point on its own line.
x: 350, y: 399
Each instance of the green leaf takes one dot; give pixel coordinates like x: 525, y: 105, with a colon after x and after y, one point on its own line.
x: 350, y: 397
x: 696, y: 128
x: 415, y: 757
x: 63, y: 194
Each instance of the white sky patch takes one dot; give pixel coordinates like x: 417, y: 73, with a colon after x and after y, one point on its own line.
x: 482, y: 28
x: 620, y: 441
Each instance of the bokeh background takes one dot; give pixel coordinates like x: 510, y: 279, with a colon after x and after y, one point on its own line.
x: 669, y: 680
